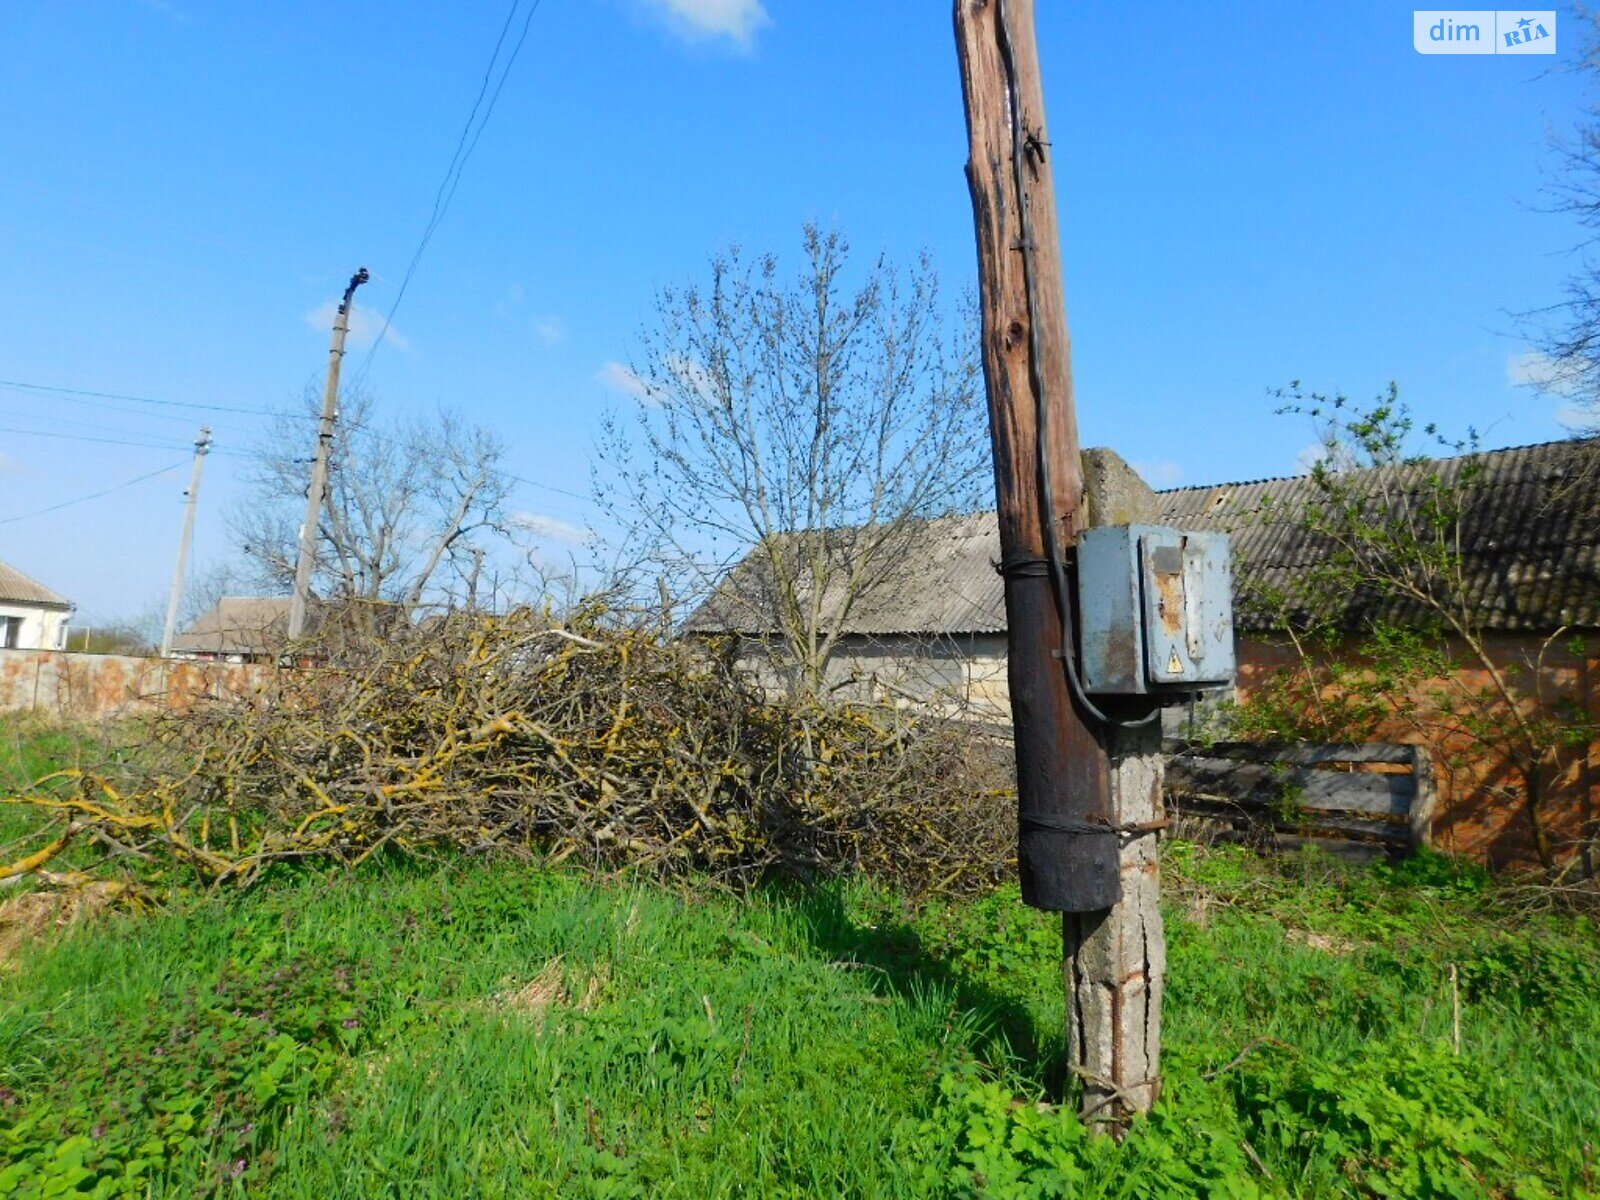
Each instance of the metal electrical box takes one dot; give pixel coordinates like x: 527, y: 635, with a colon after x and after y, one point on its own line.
x: 1155, y: 608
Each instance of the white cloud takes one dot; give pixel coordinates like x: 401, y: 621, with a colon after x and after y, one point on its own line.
x: 550, y: 528
x: 511, y: 301
x: 1334, y: 457
x: 171, y: 12
x: 1579, y: 420
x: 9, y: 465
x: 1539, y: 372
x: 703, y: 20
x: 693, y: 377
x: 621, y: 378
x: 550, y: 330
x: 1159, y: 474
x: 1535, y: 369
x: 365, y: 324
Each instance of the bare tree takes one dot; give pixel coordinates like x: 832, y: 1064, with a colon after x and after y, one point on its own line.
x: 1567, y: 333
x: 407, y: 503
x: 813, y: 423
x: 1392, y: 614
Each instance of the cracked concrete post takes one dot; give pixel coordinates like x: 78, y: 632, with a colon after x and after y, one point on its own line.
x: 1115, y: 961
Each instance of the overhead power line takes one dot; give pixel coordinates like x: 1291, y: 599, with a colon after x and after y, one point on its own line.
x: 175, y: 415
x: 83, y: 437
x: 465, y: 144
x: 66, y: 391
x: 126, y: 483
x: 549, y: 487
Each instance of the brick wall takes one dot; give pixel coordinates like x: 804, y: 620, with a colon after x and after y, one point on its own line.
x: 1479, y: 812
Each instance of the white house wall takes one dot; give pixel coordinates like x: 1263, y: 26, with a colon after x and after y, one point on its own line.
x: 42, y: 628
x: 967, y: 671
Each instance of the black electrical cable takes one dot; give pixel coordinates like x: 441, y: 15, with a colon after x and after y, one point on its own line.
x: 452, y: 173
x: 66, y: 391
x: 1052, y: 549
x: 82, y: 437
x: 126, y: 483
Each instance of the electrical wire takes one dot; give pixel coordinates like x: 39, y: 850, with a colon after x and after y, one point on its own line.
x: 1058, y: 571
x: 97, y: 427
x: 465, y: 144
x: 81, y: 437
x: 549, y: 487
x: 181, y: 418
x: 66, y: 391
x: 127, y: 483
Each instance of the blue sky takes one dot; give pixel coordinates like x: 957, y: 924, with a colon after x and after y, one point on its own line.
x: 1273, y: 192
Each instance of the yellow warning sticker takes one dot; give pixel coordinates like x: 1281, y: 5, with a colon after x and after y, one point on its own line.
x: 1174, y: 664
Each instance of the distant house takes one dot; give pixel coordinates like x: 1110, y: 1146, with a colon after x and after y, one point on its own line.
x: 1530, y: 547
x: 32, y: 617
x: 237, y: 629
x: 255, y: 629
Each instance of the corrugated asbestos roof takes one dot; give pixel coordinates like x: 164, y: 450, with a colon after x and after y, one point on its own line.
x: 17, y: 588
x: 238, y: 625
x: 1530, y: 549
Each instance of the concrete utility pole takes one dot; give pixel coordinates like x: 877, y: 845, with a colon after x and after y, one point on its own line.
x: 1075, y: 768
x: 319, y: 462
x: 202, y: 446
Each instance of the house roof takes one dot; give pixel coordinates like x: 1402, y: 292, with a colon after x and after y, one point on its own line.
x: 1530, y: 548
x: 238, y: 625
x: 1529, y: 532
x: 17, y: 588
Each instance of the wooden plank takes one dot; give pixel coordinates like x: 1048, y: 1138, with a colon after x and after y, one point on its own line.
x: 1297, y: 753
x: 1426, y: 801
x: 1328, y: 824
x: 1258, y: 784
x: 1357, y: 852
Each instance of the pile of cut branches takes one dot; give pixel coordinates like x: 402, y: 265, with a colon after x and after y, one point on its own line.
x: 577, y: 742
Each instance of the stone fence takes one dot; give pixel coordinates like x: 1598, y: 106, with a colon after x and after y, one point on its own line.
x: 94, y: 686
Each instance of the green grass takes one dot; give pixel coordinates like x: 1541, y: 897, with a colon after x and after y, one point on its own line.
x: 32, y: 746
x: 334, y: 1035
x: 483, y: 1029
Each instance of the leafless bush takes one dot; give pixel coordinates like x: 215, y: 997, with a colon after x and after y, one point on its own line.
x: 577, y: 742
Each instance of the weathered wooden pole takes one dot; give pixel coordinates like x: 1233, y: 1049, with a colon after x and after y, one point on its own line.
x: 1062, y: 776
x: 1074, y: 847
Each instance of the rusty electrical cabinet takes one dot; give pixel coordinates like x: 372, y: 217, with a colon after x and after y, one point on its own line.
x: 1156, y: 611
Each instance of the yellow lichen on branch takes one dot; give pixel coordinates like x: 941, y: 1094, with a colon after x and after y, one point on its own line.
x: 587, y: 743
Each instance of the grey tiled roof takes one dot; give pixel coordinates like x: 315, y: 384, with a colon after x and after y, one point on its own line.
x: 237, y: 625
x: 1529, y: 529
x: 1530, y: 549
x: 17, y: 588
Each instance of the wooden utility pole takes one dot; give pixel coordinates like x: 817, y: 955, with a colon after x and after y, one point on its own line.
x: 1063, y: 785
x: 319, y: 463
x: 1074, y: 847
x: 202, y: 446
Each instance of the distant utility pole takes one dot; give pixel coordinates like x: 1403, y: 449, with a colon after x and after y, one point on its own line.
x: 472, y: 584
x: 201, y: 446
x: 1088, y: 786
x: 319, y: 462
